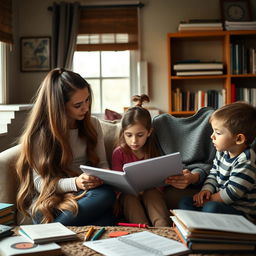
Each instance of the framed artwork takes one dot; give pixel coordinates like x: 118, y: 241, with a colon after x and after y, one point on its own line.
x: 35, y: 54
x: 235, y: 10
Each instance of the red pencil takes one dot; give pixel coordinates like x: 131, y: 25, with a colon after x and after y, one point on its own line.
x: 132, y: 225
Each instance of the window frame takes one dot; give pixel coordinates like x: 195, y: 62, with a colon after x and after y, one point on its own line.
x: 3, y: 72
x: 134, y: 54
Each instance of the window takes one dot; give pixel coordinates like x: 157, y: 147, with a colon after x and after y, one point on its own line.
x: 107, y: 54
x: 3, y: 71
x: 110, y: 74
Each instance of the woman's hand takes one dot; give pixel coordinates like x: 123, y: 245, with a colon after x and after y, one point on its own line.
x: 184, y: 180
x: 86, y: 182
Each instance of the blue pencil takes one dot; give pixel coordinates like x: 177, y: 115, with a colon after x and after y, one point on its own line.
x: 98, y: 234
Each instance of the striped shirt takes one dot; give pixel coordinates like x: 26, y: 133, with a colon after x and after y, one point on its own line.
x: 235, y: 180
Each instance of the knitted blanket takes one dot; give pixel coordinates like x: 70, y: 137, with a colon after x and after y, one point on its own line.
x: 190, y: 136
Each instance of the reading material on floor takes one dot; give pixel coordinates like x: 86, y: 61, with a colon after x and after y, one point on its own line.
x: 140, y: 175
x: 6, y: 208
x: 7, y: 213
x: 214, y: 232
x: 18, y: 245
x: 44, y: 233
x: 5, y: 231
x: 137, y: 244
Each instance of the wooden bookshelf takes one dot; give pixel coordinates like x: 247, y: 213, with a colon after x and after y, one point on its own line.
x: 205, y: 46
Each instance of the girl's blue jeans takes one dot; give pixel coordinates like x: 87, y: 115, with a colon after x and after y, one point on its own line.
x: 95, y: 208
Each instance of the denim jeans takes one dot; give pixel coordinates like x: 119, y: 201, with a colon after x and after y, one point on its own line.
x: 95, y: 208
x: 187, y: 203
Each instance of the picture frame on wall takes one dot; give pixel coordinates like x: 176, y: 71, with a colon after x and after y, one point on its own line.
x: 235, y: 10
x: 35, y: 54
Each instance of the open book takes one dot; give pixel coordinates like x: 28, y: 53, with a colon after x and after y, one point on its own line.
x: 137, y: 244
x: 140, y: 175
x: 214, y: 232
x: 49, y: 232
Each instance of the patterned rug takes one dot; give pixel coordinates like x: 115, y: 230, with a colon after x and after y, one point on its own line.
x: 76, y: 248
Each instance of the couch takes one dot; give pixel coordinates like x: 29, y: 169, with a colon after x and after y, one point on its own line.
x: 9, y: 183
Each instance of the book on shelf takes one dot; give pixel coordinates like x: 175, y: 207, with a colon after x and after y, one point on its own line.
x: 6, y: 208
x: 192, y: 101
x: 136, y: 244
x: 140, y: 175
x: 18, y: 245
x: 188, y: 26
x: 199, y: 73
x: 49, y: 232
x: 198, y: 66
x: 240, y: 25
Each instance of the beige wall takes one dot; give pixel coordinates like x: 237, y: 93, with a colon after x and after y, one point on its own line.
x: 158, y: 17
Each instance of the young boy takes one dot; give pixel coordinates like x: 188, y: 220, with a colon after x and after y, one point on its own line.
x: 231, y: 185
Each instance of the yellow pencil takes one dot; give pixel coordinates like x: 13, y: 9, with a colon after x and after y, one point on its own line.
x: 88, y: 234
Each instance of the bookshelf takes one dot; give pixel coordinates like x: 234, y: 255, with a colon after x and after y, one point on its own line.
x: 207, y: 46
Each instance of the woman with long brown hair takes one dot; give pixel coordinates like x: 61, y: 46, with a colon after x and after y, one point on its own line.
x: 60, y: 135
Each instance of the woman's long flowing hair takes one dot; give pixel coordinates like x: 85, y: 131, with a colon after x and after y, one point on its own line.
x: 45, y: 146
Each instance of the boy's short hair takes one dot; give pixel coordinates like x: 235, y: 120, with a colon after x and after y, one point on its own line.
x: 238, y: 117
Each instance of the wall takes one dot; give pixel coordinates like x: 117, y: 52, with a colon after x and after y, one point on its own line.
x: 158, y: 17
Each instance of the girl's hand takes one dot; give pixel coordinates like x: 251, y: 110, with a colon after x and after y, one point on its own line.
x: 202, y: 197
x: 184, y: 180
x: 86, y: 182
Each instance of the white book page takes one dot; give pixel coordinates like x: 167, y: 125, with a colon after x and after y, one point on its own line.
x: 215, y: 221
x: 151, y: 243
x: 114, y: 178
x: 46, y: 230
x: 152, y: 172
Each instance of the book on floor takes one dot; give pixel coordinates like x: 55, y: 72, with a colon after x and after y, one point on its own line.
x: 49, y: 232
x: 214, y: 232
x: 5, y: 231
x: 18, y: 245
x: 8, y: 218
x: 140, y: 175
x: 6, y: 208
x: 208, y: 244
x: 137, y: 244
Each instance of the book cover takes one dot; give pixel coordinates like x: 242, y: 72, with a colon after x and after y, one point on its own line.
x: 140, y: 243
x: 49, y: 232
x: 199, y: 66
x: 18, y: 245
x: 140, y: 175
x: 6, y: 208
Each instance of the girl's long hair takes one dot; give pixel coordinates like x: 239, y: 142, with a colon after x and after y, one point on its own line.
x: 139, y: 115
x: 45, y: 146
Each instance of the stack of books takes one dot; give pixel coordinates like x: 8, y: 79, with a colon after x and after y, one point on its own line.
x: 240, y: 25
x: 214, y: 232
x: 7, y: 214
x: 198, y: 68
x: 200, y: 25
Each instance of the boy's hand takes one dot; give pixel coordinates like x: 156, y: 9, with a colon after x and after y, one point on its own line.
x: 202, y: 197
x: 184, y: 180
